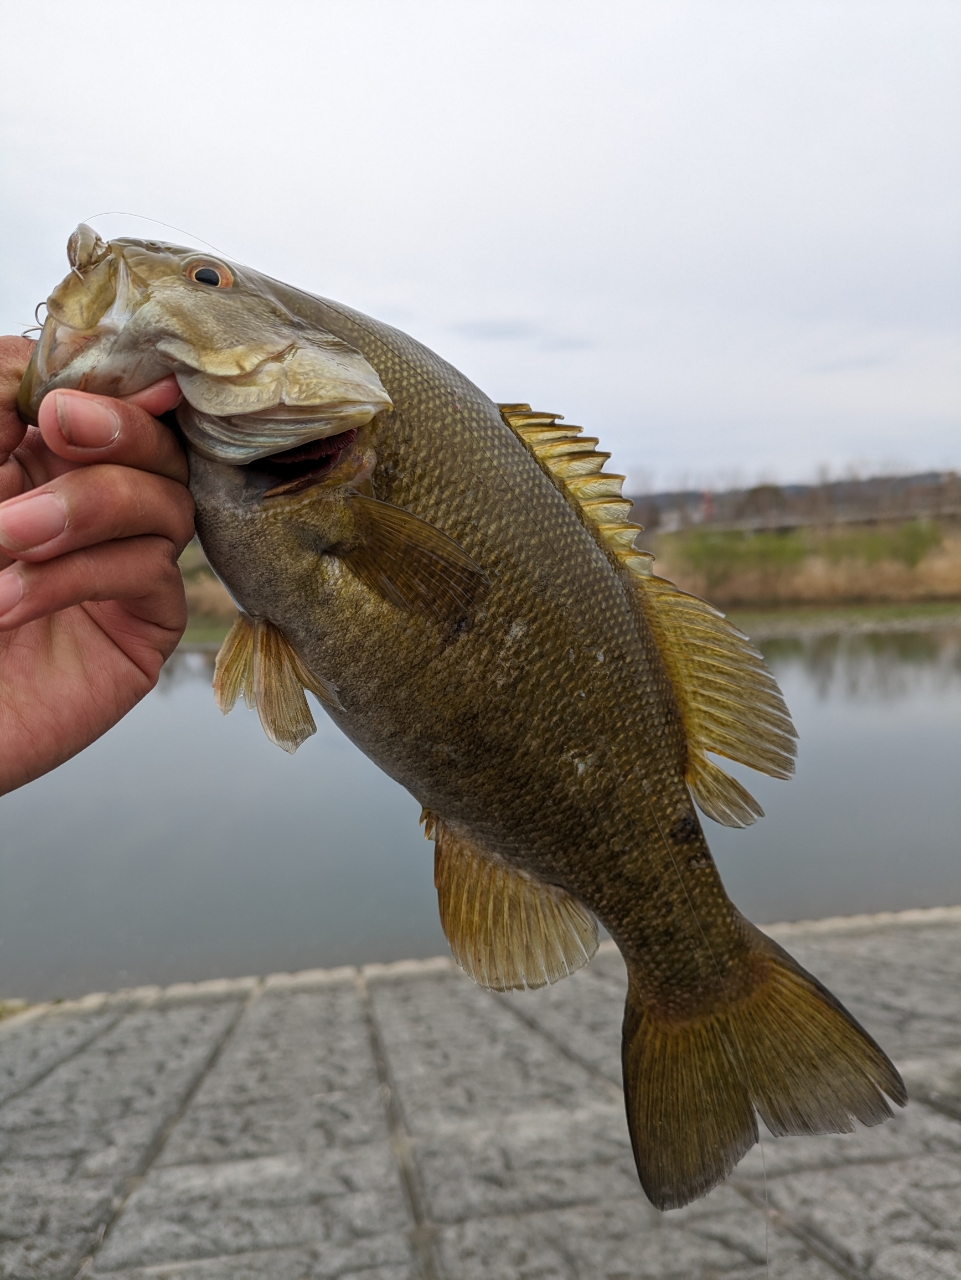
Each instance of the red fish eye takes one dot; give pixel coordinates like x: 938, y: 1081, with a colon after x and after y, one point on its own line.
x: 216, y: 276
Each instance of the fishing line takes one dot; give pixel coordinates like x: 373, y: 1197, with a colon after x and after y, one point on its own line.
x: 158, y: 222
x: 767, y: 1253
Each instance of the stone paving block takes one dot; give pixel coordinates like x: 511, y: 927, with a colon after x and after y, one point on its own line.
x: 282, y: 1164
x: 29, y: 1047
x: 902, y: 981
x: 584, y: 1012
x: 544, y: 1159
x: 936, y: 1081
x: 141, y: 1066
x: 863, y: 1209
x: 299, y: 1122
x: 67, y: 1143
x: 916, y: 1262
x: 295, y: 1042
x: 30, y: 1206
x: 46, y: 1257
x: 914, y: 1131
x: 349, y: 1206
x: 617, y: 1241
x: 46, y: 1228
x: 93, y: 1148
x: 404, y: 1272
x: 457, y: 1054
x: 271, y: 1264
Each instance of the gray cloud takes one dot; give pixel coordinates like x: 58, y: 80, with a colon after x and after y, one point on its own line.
x: 494, y: 330
x: 729, y: 212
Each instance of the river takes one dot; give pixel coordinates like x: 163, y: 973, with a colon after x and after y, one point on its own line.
x: 183, y: 845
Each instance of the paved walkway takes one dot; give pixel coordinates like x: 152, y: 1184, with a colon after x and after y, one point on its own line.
x: 398, y: 1123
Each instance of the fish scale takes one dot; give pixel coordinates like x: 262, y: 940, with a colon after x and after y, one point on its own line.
x: 458, y: 584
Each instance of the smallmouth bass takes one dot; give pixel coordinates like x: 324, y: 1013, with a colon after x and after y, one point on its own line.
x: 458, y: 584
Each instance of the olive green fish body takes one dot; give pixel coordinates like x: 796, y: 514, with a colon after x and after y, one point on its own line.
x: 456, y: 582
x: 546, y: 728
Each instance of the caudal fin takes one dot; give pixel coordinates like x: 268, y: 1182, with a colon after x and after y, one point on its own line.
x: 788, y: 1051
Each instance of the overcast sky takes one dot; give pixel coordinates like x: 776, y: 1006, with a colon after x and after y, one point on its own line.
x: 723, y: 236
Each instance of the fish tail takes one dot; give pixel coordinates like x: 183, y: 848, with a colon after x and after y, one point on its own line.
x: 787, y: 1050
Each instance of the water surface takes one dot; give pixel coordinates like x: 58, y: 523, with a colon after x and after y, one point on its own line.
x: 184, y: 845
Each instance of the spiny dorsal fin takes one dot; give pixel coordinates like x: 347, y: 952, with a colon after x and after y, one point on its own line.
x: 506, y: 929
x: 729, y: 702
x: 577, y: 470
x: 256, y: 660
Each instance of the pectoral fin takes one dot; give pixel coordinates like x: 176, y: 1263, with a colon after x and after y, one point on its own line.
x: 506, y: 929
x: 257, y: 661
x: 233, y: 672
x: 410, y: 563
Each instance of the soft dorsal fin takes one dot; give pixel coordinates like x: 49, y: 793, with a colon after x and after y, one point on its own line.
x: 257, y: 661
x: 506, y: 929
x: 729, y: 702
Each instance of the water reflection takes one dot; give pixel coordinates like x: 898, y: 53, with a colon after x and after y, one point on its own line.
x: 184, y: 845
x: 187, y: 666
x: 888, y: 666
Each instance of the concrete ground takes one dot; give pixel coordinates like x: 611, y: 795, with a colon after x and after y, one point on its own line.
x: 398, y: 1123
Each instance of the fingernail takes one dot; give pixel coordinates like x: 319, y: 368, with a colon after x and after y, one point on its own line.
x: 11, y: 589
x: 32, y: 521
x: 86, y: 424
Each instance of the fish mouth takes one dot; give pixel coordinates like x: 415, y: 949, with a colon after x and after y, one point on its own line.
x: 293, y: 470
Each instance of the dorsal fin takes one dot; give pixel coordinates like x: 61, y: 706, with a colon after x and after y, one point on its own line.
x: 257, y: 661
x: 729, y: 702
x: 506, y: 929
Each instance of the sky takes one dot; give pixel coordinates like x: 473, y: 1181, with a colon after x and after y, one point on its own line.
x: 722, y: 237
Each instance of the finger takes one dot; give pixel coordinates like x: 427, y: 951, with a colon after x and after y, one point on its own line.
x: 159, y: 398
x: 85, y: 428
x: 91, y: 505
x: 14, y: 357
x: 141, y: 573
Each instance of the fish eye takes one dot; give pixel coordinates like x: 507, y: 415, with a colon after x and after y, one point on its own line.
x: 214, y: 274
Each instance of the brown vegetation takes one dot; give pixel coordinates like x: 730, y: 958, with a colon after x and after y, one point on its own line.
x: 908, y: 561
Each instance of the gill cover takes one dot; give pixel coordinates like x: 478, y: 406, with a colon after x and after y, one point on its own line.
x: 256, y: 379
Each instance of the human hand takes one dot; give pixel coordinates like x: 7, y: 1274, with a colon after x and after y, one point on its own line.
x: 94, y: 512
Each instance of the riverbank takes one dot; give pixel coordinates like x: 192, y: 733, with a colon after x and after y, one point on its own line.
x: 911, y: 561
x: 204, y: 634
x: 396, y: 1122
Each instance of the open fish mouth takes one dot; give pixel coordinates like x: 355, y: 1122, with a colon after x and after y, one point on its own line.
x: 296, y: 469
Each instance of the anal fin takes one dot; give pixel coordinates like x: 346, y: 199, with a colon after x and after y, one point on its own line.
x: 257, y: 661
x: 506, y: 929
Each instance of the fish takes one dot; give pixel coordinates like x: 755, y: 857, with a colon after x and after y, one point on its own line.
x: 458, y: 583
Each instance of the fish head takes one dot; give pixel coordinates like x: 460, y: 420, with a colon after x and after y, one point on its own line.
x: 257, y: 380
